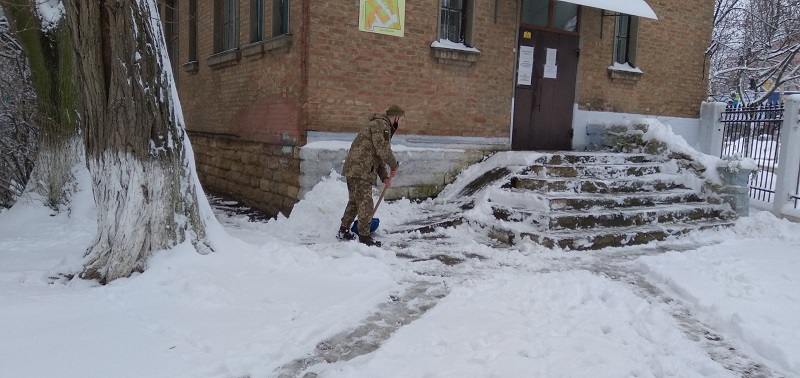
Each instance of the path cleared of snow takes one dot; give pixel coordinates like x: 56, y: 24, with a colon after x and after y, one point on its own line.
x: 564, y: 324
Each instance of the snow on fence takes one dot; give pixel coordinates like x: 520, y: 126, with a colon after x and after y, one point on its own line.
x: 758, y: 133
x: 754, y: 132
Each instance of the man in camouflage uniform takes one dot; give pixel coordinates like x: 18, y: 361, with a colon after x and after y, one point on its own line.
x: 369, y: 155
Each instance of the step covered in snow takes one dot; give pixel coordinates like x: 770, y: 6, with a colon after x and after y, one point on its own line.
x: 606, y: 237
x: 579, y: 219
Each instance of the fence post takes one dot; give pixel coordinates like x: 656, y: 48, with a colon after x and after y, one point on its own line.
x: 711, y: 128
x: 789, y: 155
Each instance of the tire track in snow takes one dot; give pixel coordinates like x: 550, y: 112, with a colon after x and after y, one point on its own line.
x: 615, y: 267
x: 390, y: 316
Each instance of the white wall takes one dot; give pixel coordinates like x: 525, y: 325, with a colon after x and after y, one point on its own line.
x: 688, y: 128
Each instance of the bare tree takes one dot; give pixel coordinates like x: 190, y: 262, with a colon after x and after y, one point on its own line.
x: 145, y: 185
x: 18, y: 132
x: 38, y: 28
x: 756, y: 45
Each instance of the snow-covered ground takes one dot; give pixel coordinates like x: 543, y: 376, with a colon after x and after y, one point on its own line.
x: 717, y: 303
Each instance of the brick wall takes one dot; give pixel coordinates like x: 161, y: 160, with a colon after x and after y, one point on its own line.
x: 354, y: 73
x: 252, y: 107
x: 670, y: 52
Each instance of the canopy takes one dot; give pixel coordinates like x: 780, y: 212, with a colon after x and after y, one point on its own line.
x: 631, y: 7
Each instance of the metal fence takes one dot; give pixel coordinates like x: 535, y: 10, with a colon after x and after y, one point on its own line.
x: 754, y: 132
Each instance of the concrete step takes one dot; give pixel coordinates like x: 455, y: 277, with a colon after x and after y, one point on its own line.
x: 659, y: 182
x: 566, y: 158
x: 567, y: 201
x: 595, y: 171
x: 637, y: 216
x: 606, y: 237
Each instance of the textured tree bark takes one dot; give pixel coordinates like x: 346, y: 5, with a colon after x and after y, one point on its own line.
x: 143, y: 174
x: 50, y: 61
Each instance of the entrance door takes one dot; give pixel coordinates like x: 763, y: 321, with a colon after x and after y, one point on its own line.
x: 543, y: 101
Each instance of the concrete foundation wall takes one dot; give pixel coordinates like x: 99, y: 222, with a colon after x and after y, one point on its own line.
x: 424, y: 170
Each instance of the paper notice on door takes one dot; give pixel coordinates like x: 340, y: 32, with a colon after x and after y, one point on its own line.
x: 550, y: 72
x: 550, y: 67
x: 525, y: 68
x: 551, y: 57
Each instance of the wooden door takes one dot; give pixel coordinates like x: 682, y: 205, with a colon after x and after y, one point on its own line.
x: 543, y: 108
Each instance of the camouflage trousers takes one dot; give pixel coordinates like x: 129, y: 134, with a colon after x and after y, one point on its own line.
x: 359, y: 202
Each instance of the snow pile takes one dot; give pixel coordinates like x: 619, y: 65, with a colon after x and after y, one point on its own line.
x: 245, y: 309
x: 747, y: 288
x: 317, y: 215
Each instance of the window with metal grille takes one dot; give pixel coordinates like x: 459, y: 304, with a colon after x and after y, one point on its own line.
x: 256, y: 20
x: 453, y: 21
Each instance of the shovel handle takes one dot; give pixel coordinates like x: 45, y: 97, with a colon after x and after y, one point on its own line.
x: 375, y: 210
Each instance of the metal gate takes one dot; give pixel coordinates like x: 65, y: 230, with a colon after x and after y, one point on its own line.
x: 754, y: 132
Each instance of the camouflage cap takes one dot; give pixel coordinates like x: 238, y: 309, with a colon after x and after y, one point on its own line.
x: 395, y: 110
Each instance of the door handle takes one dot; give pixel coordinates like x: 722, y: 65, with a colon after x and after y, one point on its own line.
x: 539, y: 97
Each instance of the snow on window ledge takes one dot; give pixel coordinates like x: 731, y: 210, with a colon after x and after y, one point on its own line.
x: 451, y: 53
x: 191, y: 67
x: 624, y: 72
x: 626, y: 67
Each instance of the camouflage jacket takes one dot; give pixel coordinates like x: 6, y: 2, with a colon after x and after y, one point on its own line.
x: 371, y: 151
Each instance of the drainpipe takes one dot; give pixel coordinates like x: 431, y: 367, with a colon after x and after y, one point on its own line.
x: 514, y: 75
x: 305, y: 37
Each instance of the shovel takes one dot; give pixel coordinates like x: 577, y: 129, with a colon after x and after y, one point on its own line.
x: 375, y: 222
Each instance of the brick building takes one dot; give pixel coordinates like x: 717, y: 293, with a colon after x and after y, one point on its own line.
x: 260, y: 80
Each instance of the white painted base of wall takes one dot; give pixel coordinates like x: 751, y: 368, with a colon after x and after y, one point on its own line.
x: 427, y: 163
x: 688, y: 128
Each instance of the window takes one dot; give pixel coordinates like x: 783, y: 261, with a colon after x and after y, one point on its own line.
x: 171, y: 33
x: 226, y: 25
x: 625, y: 39
x: 192, y: 30
x: 455, y: 26
x: 256, y: 20
x: 280, y: 17
x: 550, y: 14
x: 453, y: 21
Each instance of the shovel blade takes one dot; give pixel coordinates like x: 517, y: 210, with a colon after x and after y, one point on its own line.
x: 373, y: 225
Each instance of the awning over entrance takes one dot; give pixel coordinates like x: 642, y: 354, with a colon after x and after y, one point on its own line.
x: 631, y: 7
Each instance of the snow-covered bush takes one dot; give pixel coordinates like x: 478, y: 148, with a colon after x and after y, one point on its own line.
x: 18, y: 129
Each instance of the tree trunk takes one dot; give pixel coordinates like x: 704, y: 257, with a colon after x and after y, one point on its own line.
x: 50, y: 61
x: 141, y: 163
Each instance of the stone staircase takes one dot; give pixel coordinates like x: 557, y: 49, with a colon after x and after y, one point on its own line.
x: 585, y: 201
